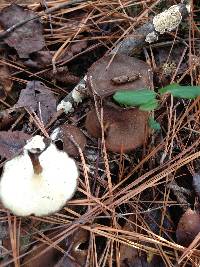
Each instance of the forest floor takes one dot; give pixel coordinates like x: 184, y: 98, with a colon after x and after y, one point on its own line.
x: 137, y: 199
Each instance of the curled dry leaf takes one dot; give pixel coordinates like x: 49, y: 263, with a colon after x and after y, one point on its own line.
x: 46, y: 259
x: 63, y: 135
x: 6, y: 2
x: 49, y: 258
x: 188, y: 227
x: 39, y: 98
x: 132, y: 257
x: 67, y: 261
x: 101, y: 75
x: 62, y: 75
x: 78, y: 246
x: 27, y: 38
x: 39, y: 59
x: 43, y: 59
x: 5, y: 81
x: 6, y: 120
x: 125, y: 129
x: 11, y: 143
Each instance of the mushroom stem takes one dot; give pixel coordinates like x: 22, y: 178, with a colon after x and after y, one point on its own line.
x: 35, y: 162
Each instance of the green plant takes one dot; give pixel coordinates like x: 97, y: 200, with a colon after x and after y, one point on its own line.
x: 146, y: 99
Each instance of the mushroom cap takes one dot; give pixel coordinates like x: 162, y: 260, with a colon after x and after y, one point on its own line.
x: 101, y: 76
x: 25, y: 193
x: 125, y: 129
x: 188, y: 227
x: 64, y: 132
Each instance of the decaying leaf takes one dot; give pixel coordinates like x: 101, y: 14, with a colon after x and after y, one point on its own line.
x: 42, y: 59
x: 62, y: 75
x: 11, y: 143
x: 6, y: 120
x: 39, y: 59
x: 67, y: 261
x: 38, y: 98
x: 132, y: 257
x: 78, y: 246
x: 49, y: 258
x: 5, y: 81
x: 27, y: 38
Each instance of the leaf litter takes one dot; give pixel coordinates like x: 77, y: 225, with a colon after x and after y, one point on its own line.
x: 28, y: 38
x: 38, y: 98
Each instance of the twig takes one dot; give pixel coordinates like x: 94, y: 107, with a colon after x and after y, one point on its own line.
x: 148, y: 33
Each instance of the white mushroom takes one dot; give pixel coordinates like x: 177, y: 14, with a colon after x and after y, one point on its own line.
x: 39, y: 181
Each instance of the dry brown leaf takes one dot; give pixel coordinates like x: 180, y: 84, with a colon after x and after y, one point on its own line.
x: 48, y: 259
x: 38, y: 98
x: 6, y: 120
x: 27, y: 38
x: 11, y: 143
x: 62, y: 75
x: 78, y: 246
x: 5, y: 81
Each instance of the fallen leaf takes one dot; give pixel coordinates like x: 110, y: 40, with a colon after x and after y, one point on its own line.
x: 38, y: 98
x: 6, y: 120
x: 49, y: 258
x: 78, y: 246
x: 11, y: 143
x: 67, y: 261
x: 62, y: 75
x: 5, y: 81
x: 132, y: 257
x: 27, y: 38
x: 39, y: 60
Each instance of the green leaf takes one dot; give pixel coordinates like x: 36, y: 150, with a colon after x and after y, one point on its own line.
x: 134, y: 97
x: 150, y: 105
x: 188, y: 92
x: 154, y: 124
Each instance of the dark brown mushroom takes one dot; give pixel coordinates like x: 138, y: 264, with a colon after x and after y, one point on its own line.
x: 64, y: 136
x: 123, y: 73
x: 125, y: 129
x: 188, y: 227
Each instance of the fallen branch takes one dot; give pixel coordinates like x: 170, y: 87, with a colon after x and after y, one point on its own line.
x: 148, y: 33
